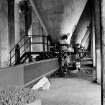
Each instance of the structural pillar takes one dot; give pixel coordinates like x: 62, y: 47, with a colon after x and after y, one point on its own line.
x: 4, y: 37
x: 103, y: 47
x: 93, y: 43
x: 17, y: 22
x: 11, y: 29
x: 97, y: 39
x: 93, y: 50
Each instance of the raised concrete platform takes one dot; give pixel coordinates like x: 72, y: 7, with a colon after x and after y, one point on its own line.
x: 26, y: 74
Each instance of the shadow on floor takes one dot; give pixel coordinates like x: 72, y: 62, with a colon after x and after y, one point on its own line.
x: 75, y: 88
x: 71, y: 91
x: 85, y: 73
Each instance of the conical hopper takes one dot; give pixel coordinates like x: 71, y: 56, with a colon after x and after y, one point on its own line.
x: 59, y: 16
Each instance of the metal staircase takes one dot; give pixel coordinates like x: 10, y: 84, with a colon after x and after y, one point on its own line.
x: 22, y: 50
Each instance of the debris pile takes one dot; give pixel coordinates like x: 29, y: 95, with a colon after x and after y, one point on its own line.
x: 43, y: 84
x: 18, y: 96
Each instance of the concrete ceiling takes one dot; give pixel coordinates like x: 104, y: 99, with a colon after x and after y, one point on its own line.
x: 59, y: 16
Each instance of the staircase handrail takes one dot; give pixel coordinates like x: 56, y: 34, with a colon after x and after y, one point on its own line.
x: 26, y: 39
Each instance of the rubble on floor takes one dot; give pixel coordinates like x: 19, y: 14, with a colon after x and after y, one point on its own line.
x: 19, y: 96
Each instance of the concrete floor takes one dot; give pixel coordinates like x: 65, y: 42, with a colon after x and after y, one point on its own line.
x: 71, y: 91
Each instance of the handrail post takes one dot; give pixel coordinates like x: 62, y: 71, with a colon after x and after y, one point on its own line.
x: 10, y: 59
x: 17, y: 54
x: 47, y: 43
x: 43, y: 40
x: 30, y: 43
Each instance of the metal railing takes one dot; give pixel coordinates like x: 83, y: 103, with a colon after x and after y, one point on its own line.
x: 24, y: 45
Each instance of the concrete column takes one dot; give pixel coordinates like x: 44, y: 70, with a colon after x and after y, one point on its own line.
x: 93, y: 46
x: 11, y: 32
x: 17, y: 22
x: 85, y: 37
x: 11, y: 29
x: 103, y: 39
x: 93, y: 43
x: 98, y: 65
x: 97, y: 39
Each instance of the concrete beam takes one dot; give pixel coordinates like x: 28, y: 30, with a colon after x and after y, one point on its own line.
x: 82, y: 25
x: 86, y: 44
x: 38, y: 15
x: 85, y: 37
